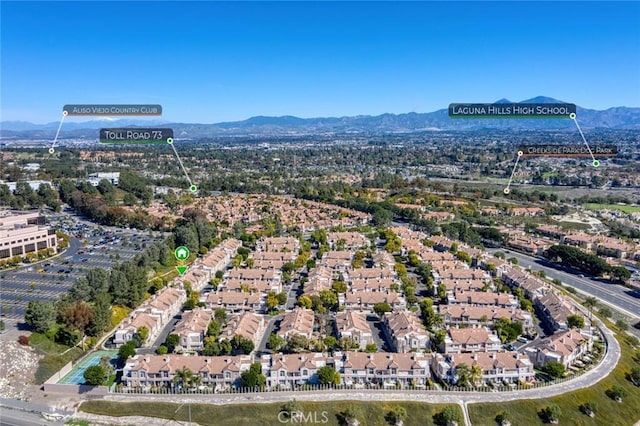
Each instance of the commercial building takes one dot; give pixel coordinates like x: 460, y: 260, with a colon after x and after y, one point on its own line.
x: 22, y: 233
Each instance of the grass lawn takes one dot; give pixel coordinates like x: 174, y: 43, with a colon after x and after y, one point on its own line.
x: 623, y: 208
x: 368, y: 413
x: 53, y: 359
x: 52, y: 363
x: 609, y: 412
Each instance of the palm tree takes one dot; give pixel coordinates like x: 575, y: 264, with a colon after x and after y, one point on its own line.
x: 590, y: 302
x: 476, y: 374
x: 184, y: 376
x: 464, y: 375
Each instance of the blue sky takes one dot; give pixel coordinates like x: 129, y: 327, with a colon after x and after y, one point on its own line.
x: 217, y: 61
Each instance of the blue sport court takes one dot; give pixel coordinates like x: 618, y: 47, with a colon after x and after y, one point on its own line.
x: 75, y: 376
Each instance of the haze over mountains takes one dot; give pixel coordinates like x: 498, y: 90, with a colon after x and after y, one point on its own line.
x: 612, y: 118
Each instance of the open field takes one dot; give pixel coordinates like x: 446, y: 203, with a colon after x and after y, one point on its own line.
x: 368, y: 413
x: 622, y: 207
x: 609, y: 412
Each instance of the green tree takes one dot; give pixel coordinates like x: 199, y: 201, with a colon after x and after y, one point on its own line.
x: 282, y: 298
x: 241, y: 345
x: 397, y: 415
x: 589, y: 408
x: 552, y: 413
x: 329, y: 299
x: 554, y: 369
x: 101, y: 318
x: 297, y: 342
x: 94, y: 375
x: 634, y: 375
x: 504, y: 418
x: 448, y: 416
x: 617, y: 392
x: 305, y: 302
x: 575, y: 321
x: 330, y: 342
x: 143, y: 334
x: 438, y: 338
x: 162, y: 350
x: 327, y: 375
x: 605, y: 311
x: 590, y: 302
x: 371, y: 347
x: 172, y: 341
x: 381, y: 308
x: 127, y: 350
x: 253, y: 377
x: 622, y: 325
x: 183, y: 377
x: 276, y: 342
x: 339, y: 286
x: 463, y: 374
x: 41, y: 315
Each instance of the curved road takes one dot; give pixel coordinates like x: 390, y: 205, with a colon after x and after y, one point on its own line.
x: 613, y: 294
x: 588, y: 379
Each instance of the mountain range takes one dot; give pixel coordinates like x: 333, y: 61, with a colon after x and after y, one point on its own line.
x: 612, y: 118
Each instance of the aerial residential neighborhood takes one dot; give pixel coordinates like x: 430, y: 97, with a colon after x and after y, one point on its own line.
x: 329, y: 213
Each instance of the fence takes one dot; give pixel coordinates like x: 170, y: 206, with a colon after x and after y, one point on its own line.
x: 208, y: 390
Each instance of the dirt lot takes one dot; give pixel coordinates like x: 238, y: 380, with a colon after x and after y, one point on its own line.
x: 17, y: 367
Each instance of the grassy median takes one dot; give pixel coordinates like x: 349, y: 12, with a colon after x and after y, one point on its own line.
x: 327, y: 413
x: 608, y: 411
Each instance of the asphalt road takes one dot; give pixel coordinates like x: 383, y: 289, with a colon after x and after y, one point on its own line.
x: 616, y: 295
x: 11, y: 417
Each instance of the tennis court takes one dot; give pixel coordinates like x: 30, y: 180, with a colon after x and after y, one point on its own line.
x: 75, y: 376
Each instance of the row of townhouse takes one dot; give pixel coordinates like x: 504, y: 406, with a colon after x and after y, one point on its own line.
x: 455, y: 285
x: 469, y: 315
x: 357, y: 368
x: 369, y: 274
x: 270, y: 260
x: 383, y: 259
x: 297, y: 322
x: 203, y: 270
x: 278, y: 245
x: 469, y: 340
x: 405, y: 331
x: 565, y: 347
x: 366, y: 300
x: 375, y: 284
x: 248, y: 325
x: 354, y: 325
x: 320, y: 278
x: 554, y: 309
x: 219, y: 372
x: 192, y: 328
x: 347, y: 240
x: 483, y: 298
x: 533, y: 287
x: 495, y: 367
x: 604, y: 246
x: 282, y: 370
x: 154, y: 314
x: 234, y: 302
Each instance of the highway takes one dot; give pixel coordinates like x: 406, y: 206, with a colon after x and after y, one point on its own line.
x: 613, y: 294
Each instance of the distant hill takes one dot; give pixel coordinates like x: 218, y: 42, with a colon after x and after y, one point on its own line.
x: 612, y: 118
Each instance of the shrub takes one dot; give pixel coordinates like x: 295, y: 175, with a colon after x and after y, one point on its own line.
x: 94, y: 375
x: 589, y: 408
x: 23, y: 340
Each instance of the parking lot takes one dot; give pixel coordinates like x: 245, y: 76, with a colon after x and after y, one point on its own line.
x: 91, y: 246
